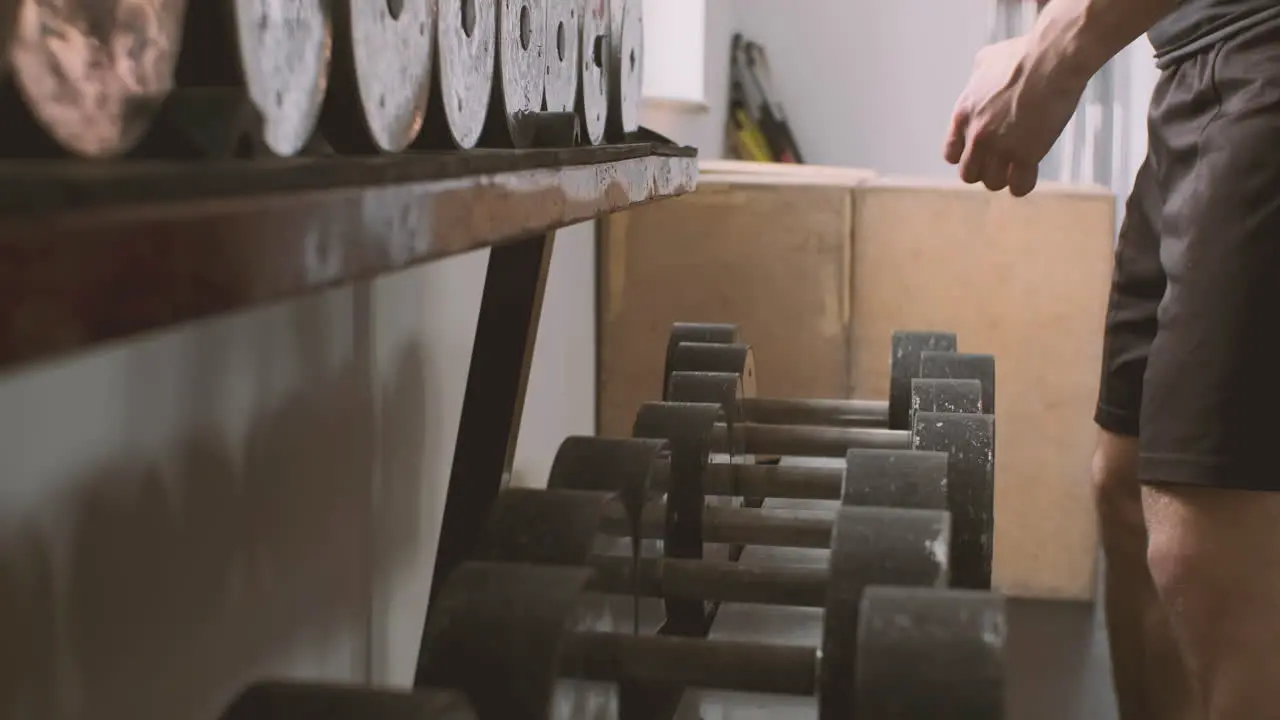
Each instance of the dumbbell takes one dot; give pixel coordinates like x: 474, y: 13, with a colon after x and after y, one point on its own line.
x: 957, y: 475
x: 741, y: 434
x: 287, y: 700
x: 509, y: 635
x: 694, y: 347
x: 564, y: 527
x: 628, y: 468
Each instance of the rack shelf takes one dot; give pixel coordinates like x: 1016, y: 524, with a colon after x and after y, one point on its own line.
x: 94, y: 252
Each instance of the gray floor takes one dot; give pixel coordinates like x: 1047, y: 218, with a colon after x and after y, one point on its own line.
x: 1057, y: 653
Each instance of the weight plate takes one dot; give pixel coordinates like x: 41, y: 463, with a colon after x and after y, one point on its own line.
x: 564, y: 36
x: 467, y: 41
x: 723, y: 389
x: 392, y: 46
x: 496, y: 633
x: 522, y: 36
x: 593, y: 97
x: 93, y: 75
x: 688, y: 428
x: 284, y: 48
x: 626, y: 57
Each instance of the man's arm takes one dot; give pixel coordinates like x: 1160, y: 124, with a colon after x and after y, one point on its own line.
x: 1024, y: 90
x: 1080, y: 36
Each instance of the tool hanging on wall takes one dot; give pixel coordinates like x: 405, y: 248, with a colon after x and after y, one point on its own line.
x: 757, y: 127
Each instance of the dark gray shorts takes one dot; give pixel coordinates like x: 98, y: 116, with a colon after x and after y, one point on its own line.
x: 1187, y: 364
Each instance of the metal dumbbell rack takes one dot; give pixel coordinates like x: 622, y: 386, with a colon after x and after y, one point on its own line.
x: 201, y: 219
x: 94, y: 253
x: 104, y: 252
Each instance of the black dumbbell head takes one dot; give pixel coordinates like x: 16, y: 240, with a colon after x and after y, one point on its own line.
x: 543, y: 527
x: 969, y: 443
x: 904, y: 365
x: 963, y: 366
x: 873, y: 546
x: 617, y: 465
x: 497, y: 631
x: 946, y: 395
x: 913, y: 479
x: 936, y: 654
x: 694, y: 332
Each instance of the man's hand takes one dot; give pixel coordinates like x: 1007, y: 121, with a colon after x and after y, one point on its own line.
x: 1023, y: 91
x: 1009, y: 115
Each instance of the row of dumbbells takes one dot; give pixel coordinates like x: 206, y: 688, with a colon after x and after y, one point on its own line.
x: 531, y: 627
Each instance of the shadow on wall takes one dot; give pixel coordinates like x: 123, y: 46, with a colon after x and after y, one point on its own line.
x: 169, y: 582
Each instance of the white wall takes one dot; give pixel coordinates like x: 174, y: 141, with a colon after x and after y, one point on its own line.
x: 254, y: 495
x: 688, y: 123
x: 869, y: 84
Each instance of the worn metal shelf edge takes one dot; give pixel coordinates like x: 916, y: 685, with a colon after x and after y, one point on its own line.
x: 84, y: 274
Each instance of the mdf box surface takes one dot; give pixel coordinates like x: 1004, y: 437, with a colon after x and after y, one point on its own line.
x: 771, y: 254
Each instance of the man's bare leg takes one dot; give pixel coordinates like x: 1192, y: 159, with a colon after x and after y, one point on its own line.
x: 1215, y: 558
x: 1150, y: 676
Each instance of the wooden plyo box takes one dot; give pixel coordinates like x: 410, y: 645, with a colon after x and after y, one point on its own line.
x: 769, y: 253
x: 1026, y: 280
x: 818, y: 267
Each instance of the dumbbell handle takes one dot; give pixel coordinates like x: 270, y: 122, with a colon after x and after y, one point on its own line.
x: 734, y: 525
x: 692, y: 662
x: 805, y: 440
x: 762, y: 481
x: 711, y: 580
x: 843, y: 413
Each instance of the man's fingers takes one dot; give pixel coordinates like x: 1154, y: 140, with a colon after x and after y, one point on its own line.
x: 995, y: 173
x: 973, y: 163
x: 953, y: 149
x: 1022, y: 178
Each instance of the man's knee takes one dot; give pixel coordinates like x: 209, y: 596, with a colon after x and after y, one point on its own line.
x: 1213, y: 540
x: 1175, y: 555
x: 1116, y: 492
